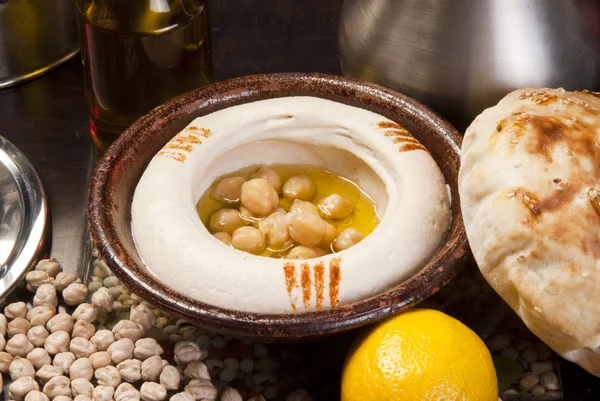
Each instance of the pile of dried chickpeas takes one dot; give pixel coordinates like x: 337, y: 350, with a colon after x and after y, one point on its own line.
x: 254, y: 221
x: 64, y: 357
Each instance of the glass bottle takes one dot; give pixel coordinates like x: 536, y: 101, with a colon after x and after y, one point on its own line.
x: 137, y: 54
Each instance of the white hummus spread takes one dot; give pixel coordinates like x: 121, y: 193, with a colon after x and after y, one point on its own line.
x: 369, y: 149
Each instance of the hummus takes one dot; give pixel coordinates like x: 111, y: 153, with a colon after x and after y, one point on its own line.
x: 374, y: 152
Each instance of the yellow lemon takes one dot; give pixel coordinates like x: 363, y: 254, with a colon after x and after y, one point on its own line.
x: 421, y: 355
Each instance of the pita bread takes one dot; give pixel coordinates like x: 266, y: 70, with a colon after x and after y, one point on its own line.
x: 530, y: 193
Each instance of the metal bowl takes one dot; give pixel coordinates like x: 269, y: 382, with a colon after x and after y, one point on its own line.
x: 118, y: 172
x: 24, y: 217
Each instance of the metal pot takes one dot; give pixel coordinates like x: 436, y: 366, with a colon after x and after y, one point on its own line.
x: 35, y: 36
x: 461, y: 56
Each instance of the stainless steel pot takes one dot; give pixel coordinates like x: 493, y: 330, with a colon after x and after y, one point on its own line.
x: 461, y: 56
x: 35, y: 36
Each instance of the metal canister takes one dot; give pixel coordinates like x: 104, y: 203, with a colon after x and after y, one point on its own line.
x: 461, y: 56
x: 35, y: 36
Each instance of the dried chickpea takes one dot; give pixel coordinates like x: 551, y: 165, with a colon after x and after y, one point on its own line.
x: 83, y: 329
x: 75, y: 294
x: 170, y: 377
x: 35, y: 278
x: 47, y: 372
x: 85, y: 312
x: 57, y: 342
x: 223, y: 237
x: 81, y: 386
x: 131, y: 370
x: 18, y: 389
x: 82, y: 348
x: 19, y: 345
x: 126, y: 391
x: 3, y: 324
x: 182, y: 396
x: 21, y: 367
x: 128, y: 329
x: 103, y: 339
x: 186, y: 352
x: 63, y: 280
x: 60, y: 322
x: 45, y: 295
x: 196, y: 370
x: 2, y: 342
x: 228, y: 190
x: 259, y: 197
x: 82, y: 397
x: 305, y: 228
x: 100, y: 359
x: 81, y: 368
x: 121, y: 350
x: 62, y: 398
x: 335, y: 207
x: 59, y: 385
x: 275, y: 230
x: 300, y: 186
x: 39, y: 357
x: 299, y: 395
x: 108, y: 376
x: 225, y: 220
x: 5, y: 361
x: 153, y: 392
x: 145, y: 348
x: 40, y: 315
x: 36, y: 395
x: 143, y: 316
x: 64, y: 360
x: 103, y: 393
x: 103, y: 300
x: 152, y: 368
x: 16, y: 309
x: 270, y: 176
x: 230, y: 394
x: 18, y: 325
x: 37, y: 335
x: 303, y: 252
x: 248, y: 239
x: 201, y: 389
x: 347, y: 238
x: 50, y: 266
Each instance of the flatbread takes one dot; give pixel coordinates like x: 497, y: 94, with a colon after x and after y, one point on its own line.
x: 530, y: 193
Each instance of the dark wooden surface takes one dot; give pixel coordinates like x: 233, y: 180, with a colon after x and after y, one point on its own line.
x: 47, y: 120
x: 261, y: 36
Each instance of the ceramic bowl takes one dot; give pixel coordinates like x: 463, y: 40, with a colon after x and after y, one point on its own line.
x: 118, y: 172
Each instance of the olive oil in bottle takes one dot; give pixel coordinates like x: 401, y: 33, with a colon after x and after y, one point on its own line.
x: 137, y: 55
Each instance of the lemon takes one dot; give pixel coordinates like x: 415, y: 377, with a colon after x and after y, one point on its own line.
x: 421, y: 355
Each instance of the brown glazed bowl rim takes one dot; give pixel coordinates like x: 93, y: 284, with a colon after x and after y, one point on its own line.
x: 270, y: 327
